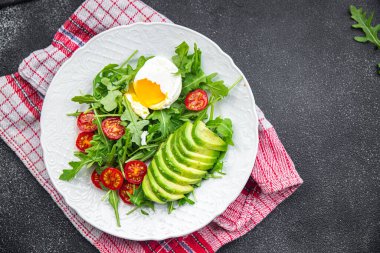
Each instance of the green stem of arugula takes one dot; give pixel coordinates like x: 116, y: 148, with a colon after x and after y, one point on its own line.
x: 211, y: 112
x: 132, y: 210
x: 145, y: 147
x: 99, y: 123
x: 106, y: 195
x: 108, y: 115
x: 235, y: 83
x: 121, y: 168
x: 88, y: 110
x: 129, y: 58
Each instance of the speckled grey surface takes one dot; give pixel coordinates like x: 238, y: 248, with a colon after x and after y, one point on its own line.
x: 315, y: 84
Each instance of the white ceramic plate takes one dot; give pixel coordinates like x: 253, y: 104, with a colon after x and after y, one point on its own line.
x: 58, y: 132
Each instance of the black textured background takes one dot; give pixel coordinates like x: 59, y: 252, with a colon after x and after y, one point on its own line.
x: 315, y: 84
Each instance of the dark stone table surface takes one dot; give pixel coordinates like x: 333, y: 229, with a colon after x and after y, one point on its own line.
x: 316, y: 85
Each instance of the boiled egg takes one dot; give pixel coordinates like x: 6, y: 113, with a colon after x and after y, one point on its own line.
x: 156, y: 86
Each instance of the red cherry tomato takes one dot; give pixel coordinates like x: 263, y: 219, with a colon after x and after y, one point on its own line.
x: 124, y: 190
x: 112, y: 178
x: 112, y: 128
x: 196, y: 100
x: 135, y: 171
x: 95, y: 178
x: 83, y: 141
x: 85, y: 122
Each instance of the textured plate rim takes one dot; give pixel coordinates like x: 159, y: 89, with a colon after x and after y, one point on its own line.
x: 67, y: 62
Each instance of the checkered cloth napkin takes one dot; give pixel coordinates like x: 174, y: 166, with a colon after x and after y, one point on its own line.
x: 273, y: 177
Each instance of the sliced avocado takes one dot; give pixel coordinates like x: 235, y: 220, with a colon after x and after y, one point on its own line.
x: 193, y: 163
x: 168, y: 185
x: 206, y: 138
x: 176, y: 166
x: 147, y: 189
x: 188, y: 143
x: 169, y: 174
x: 161, y: 193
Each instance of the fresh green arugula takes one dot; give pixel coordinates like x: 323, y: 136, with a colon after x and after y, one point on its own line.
x: 223, y: 127
x: 113, y: 199
x: 365, y: 24
x: 108, y: 100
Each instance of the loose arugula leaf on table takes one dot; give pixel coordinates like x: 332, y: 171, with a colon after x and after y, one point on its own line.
x: 364, y: 23
x: 222, y: 127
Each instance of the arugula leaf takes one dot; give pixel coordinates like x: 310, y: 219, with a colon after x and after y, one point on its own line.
x: 217, y: 88
x: 86, y: 99
x: 97, y: 153
x: 170, y: 206
x: 136, y: 130
x: 223, y: 127
x: 128, y: 114
x: 110, y: 101
x: 135, y: 126
x: 192, y: 82
x: 165, y: 126
x: 113, y: 199
x: 181, y: 51
x: 139, y: 200
x: 364, y: 23
x: 122, y: 145
x: 218, y: 167
x: 69, y: 174
x: 75, y: 114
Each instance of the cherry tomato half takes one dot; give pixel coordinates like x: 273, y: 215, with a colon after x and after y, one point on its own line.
x: 112, y: 128
x: 124, y: 190
x: 95, y: 178
x: 135, y: 171
x: 83, y: 141
x: 85, y: 122
x: 196, y: 100
x: 112, y: 178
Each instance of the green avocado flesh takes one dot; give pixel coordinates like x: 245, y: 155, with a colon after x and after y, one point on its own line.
x: 182, y: 161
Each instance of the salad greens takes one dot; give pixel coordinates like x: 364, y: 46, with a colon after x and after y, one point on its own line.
x: 365, y: 24
x: 108, y: 100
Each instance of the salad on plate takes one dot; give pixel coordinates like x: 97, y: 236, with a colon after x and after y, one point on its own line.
x: 149, y: 132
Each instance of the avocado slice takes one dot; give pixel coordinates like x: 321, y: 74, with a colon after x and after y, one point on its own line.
x: 188, y: 143
x: 179, y: 167
x: 161, y: 193
x: 193, y: 163
x: 147, y: 189
x: 206, y: 138
x: 169, y: 174
x: 212, y: 157
x: 168, y: 185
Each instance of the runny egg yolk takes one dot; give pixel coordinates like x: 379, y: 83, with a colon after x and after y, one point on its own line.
x: 148, y: 93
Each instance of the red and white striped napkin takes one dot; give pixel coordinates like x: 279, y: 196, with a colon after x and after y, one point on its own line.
x: 273, y: 177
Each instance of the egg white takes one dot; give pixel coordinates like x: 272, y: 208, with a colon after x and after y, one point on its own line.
x: 162, y: 71
x: 137, y: 107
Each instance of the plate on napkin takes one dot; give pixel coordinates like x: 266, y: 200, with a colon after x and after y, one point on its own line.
x: 58, y: 132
